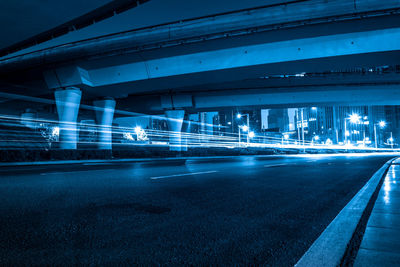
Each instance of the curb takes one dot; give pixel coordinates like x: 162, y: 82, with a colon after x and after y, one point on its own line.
x: 333, y: 245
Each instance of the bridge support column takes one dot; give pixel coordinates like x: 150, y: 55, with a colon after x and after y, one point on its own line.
x: 207, y: 124
x: 186, y: 133
x: 104, y: 117
x: 67, y: 102
x: 175, y: 121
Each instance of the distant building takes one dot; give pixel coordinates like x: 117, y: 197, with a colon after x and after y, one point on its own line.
x: 275, y: 120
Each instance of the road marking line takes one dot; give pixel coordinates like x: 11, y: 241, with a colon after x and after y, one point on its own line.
x: 182, y: 174
x: 96, y: 163
x: 276, y: 165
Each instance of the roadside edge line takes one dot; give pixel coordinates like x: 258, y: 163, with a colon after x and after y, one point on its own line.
x: 181, y: 174
x: 332, y: 245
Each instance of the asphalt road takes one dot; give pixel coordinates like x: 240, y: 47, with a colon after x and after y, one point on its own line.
x: 243, y: 210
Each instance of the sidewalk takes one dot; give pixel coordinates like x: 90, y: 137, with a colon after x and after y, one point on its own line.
x: 381, y: 241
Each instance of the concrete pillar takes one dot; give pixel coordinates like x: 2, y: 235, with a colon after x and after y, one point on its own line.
x: 67, y: 102
x: 207, y: 124
x: 104, y: 118
x: 185, y: 134
x: 175, y: 120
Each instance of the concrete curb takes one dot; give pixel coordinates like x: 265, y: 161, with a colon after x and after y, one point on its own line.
x: 331, y: 246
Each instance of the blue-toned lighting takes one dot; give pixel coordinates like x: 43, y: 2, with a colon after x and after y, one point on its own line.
x: 354, y: 118
x: 138, y: 129
x: 55, y: 131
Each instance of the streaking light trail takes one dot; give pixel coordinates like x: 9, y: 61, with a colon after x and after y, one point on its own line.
x: 136, y: 136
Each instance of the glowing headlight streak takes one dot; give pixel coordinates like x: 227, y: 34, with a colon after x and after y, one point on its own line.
x: 128, y: 136
x: 138, y: 129
x: 56, y: 131
x: 160, y: 137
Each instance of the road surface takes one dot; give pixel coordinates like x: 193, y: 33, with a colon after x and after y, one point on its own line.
x: 242, y: 210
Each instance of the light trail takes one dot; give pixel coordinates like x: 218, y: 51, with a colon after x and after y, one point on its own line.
x: 14, y: 133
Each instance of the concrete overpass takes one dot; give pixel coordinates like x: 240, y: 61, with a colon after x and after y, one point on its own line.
x: 185, y: 65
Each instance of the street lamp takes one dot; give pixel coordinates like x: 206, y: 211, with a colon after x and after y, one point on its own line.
x: 245, y: 129
x: 353, y: 118
x: 382, y: 125
x: 239, y: 116
x: 391, y: 139
x: 251, y: 134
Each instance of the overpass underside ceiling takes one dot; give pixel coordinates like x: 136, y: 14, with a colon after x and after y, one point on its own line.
x: 202, y: 80
x: 239, y: 23
x: 324, y: 53
x: 203, y: 44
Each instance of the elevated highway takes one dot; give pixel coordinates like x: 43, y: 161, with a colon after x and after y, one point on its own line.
x: 295, y: 37
x: 214, y: 61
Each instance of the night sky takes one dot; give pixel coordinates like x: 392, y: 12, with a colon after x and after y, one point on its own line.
x: 30, y: 17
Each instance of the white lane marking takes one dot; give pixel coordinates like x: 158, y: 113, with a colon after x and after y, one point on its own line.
x: 96, y: 163
x: 182, y: 174
x: 276, y: 165
x: 51, y: 173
